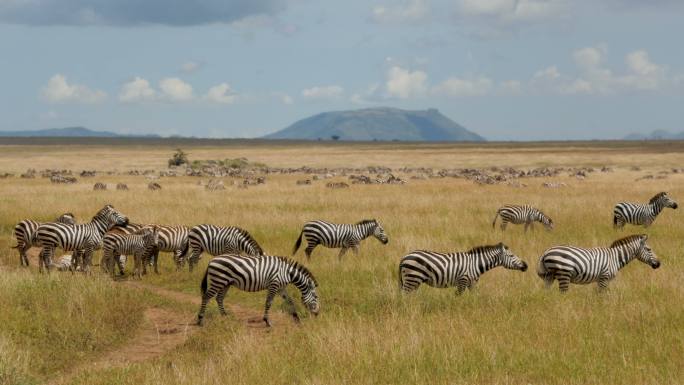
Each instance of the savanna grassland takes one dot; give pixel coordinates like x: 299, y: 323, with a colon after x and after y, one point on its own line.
x: 509, y: 330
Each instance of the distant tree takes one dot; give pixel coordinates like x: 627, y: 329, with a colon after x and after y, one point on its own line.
x: 335, y: 137
x: 178, y: 158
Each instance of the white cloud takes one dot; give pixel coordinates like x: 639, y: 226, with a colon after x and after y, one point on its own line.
x: 137, y: 90
x: 221, y: 93
x: 190, y: 66
x: 457, y: 87
x: 410, y: 12
x: 176, y: 90
x: 323, y: 92
x: 404, y: 84
x: 58, y: 90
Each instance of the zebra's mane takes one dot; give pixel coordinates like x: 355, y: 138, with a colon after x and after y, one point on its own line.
x: 250, y: 239
x: 484, y: 248
x: 626, y: 240
x: 301, y: 268
x: 367, y: 221
x: 657, y: 196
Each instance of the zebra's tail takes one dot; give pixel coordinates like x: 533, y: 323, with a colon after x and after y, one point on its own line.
x: 184, y: 252
x: 401, y: 279
x: 298, y: 243
x: 542, y: 272
x: 203, y: 286
x: 495, y: 218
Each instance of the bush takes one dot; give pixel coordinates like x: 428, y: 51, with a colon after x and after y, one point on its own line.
x: 178, y: 158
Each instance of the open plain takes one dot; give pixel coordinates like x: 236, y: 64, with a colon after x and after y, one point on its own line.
x: 75, y: 329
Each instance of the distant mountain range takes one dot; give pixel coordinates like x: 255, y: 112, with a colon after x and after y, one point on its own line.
x: 656, y: 135
x: 70, y: 132
x: 385, y: 124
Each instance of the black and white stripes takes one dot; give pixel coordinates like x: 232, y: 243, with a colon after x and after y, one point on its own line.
x: 140, y: 245
x: 25, y: 230
x: 522, y: 214
x: 641, y: 214
x: 217, y: 240
x: 333, y: 235
x: 259, y: 273
x: 461, y: 270
x: 570, y: 264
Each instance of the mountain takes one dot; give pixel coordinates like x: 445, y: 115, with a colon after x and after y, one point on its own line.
x: 378, y: 124
x: 656, y: 135
x: 69, y: 132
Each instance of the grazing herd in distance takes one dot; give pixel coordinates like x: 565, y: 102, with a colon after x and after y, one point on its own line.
x: 241, y: 262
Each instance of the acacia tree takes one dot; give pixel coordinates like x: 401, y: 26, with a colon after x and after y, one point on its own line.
x: 178, y: 158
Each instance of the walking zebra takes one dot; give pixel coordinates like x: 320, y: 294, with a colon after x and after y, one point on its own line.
x: 217, y: 240
x: 569, y: 264
x: 85, y: 238
x: 521, y: 214
x: 335, y: 235
x: 640, y: 214
x: 173, y: 239
x: 264, y: 272
x: 461, y: 270
x: 140, y: 244
x: 25, y: 230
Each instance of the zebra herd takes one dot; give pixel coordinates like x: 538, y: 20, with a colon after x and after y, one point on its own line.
x: 241, y: 262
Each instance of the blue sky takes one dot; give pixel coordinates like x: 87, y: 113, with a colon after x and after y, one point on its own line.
x: 506, y: 69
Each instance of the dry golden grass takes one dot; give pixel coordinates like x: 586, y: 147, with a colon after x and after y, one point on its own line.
x: 509, y: 330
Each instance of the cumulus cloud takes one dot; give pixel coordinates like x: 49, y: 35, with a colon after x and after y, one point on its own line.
x: 457, y: 87
x: 58, y: 90
x: 403, y: 84
x: 137, y: 90
x: 134, y: 12
x: 221, y: 93
x: 176, y: 90
x: 323, y: 92
x: 413, y: 11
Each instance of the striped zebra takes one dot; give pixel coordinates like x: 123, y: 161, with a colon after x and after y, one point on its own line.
x: 140, y: 244
x: 85, y: 238
x: 569, y: 264
x: 264, y: 272
x: 217, y: 240
x: 172, y: 239
x: 461, y: 269
x: 521, y: 214
x: 333, y: 235
x: 640, y: 214
x: 120, y: 260
x: 25, y: 230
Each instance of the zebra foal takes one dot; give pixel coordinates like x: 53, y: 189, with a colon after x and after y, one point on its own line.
x: 333, y: 235
x: 139, y: 244
x: 26, y: 229
x: 570, y: 264
x: 641, y: 214
x: 522, y: 214
x: 461, y: 269
x: 252, y: 274
x: 217, y: 240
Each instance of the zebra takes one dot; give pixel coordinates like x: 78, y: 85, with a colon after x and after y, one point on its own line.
x: 172, y: 239
x: 252, y: 274
x: 217, y: 240
x: 106, y: 262
x: 140, y: 244
x: 25, y: 230
x: 461, y: 269
x: 335, y: 235
x: 570, y: 264
x: 640, y: 214
x: 85, y: 238
x: 521, y: 214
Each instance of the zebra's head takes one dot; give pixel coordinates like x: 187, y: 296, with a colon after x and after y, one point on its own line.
x: 646, y: 255
x: 547, y: 222
x: 379, y: 233
x: 510, y: 260
x: 112, y: 217
x: 664, y: 200
x: 307, y: 284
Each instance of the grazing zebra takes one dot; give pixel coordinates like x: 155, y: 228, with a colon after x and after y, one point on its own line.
x: 521, y: 214
x: 217, y: 240
x: 105, y: 262
x: 85, y: 238
x: 569, y: 264
x: 335, y: 235
x: 173, y: 239
x: 140, y: 244
x: 24, y: 231
x: 264, y: 272
x: 640, y: 214
x: 461, y: 270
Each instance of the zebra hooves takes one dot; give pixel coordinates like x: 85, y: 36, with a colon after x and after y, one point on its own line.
x: 200, y: 321
x: 296, y: 318
x: 268, y: 322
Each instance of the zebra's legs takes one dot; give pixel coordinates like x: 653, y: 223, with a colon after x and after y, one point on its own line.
x: 290, y: 304
x: 23, y: 259
x: 272, y: 291
x: 139, y: 265
x: 355, y: 248
x: 194, y: 257
x: 219, y: 299
x: 45, y: 259
x: 178, y: 259
x: 203, y: 307
x: 503, y: 224
x: 563, y: 283
x: 342, y: 253
x: 603, y: 283
x: 548, y: 281
x: 154, y: 260
x: 310, y: 246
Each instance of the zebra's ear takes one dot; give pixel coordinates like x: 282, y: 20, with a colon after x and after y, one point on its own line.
x: 501, y: 246
x: 644, y: 238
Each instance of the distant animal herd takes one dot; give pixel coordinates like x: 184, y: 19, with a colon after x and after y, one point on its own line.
x: 241, y: 262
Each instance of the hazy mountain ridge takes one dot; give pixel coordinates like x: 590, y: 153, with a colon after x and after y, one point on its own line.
x: 383, y: 124
x: 70, y: 132
x: 656, y: 135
